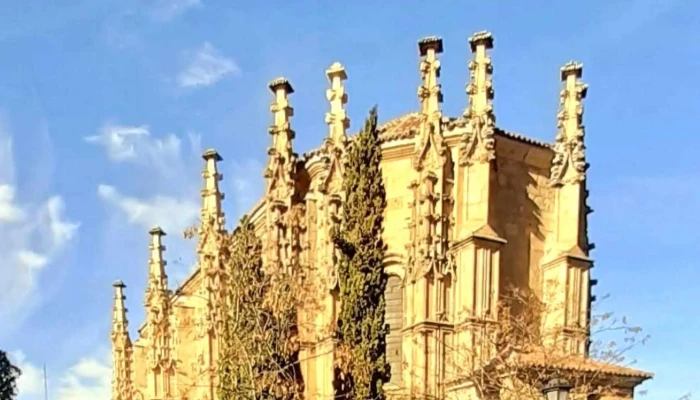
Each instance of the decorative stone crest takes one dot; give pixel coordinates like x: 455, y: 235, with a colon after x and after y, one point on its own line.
x: 478, y: 143
x: 569, y: 162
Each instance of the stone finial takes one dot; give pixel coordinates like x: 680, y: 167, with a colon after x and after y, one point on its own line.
x: 571, y: 99
x: 157, y: 279
x: 211, y: 195
x: 569, y: 162
x: 120, y: 324
x: 429, y: 93
x: 478, y: 143
x: 282, y: 160
x: 337, y: 120
x: 480, y: 89
x: 280, y: 108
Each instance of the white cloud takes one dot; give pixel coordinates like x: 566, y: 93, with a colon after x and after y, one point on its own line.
x: 173, y: 214
x: 167, y: 10
x: 9, y: 212
x: 31, y: 236
x: 31, y: 382
x: 89, y: 379
x: 207, y: 67
x: 61, y: 231
x: 135, y: 144
x: 32, y: 260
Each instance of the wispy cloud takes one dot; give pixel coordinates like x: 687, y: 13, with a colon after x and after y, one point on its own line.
x: 89, y: 379
x: 31, y: 236
x: 206, y: 67
x: 172, y: 213
x: 167, y: 10
x: 125, y: 143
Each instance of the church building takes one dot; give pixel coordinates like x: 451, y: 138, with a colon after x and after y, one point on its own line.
x: 472, y: 210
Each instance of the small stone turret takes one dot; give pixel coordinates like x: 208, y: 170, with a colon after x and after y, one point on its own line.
x: 211, y: 195
x: 122, y: 350
x: 280, y: 176
x: 569, y: 164
x: 478, y: 144
x: 566, y: 267
x: 337, y: 120
x: 157, y: 287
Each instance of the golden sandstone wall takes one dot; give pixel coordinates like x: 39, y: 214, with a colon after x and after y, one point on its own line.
x: 471, y: 210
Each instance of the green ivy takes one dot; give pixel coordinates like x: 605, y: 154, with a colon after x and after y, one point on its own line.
x: 258, y: 356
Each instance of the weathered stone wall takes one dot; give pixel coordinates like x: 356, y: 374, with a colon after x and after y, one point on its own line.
x: 523, y: 207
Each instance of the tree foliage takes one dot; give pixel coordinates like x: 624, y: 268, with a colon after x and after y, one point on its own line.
x: 361, y: 330
x: 9, y: 374
x: 259, y: 347
x: 518, y: 356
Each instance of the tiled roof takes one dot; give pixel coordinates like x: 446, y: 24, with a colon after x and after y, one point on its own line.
x: 405, y: 127
x: 581, y: 364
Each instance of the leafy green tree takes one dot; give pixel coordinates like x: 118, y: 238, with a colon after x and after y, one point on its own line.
x: 8, y: 377
x: 259, y: 350
x: 361, y: 330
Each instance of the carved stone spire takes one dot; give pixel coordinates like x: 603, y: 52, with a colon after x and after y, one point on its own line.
x: 211, y: 195
x: 429, y: 93
x: 429, y: 144
x: 122, y: 384
x: 569, y: 163
x: 157, y: 279
x: 280, y: 175
x: 478, y: 144
x: 330, y: 183
x: 337, y: 120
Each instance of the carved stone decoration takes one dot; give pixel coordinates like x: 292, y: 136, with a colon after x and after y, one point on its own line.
x: 430, y: 148
x: 569, y: 162
x: 282, y: 247
x: 431, y: 199
x: 478, y: 144
x: 331, y: 179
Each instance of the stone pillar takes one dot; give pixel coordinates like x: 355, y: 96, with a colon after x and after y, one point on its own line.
x: 566, y: 266
x: 476, y: 249
x: 425, y: 287
x: 328, y: 200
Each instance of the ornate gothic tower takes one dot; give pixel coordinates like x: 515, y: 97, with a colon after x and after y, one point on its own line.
x: 473, y: 210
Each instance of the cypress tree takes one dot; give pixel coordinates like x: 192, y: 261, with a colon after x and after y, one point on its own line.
x: 9, y: 375
x: 361, y: 330
x: 258, y: 356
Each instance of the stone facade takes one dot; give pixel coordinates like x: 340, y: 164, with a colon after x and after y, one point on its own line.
x: 471, y: 210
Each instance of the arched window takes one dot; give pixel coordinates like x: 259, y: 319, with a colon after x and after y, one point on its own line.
x: 394, y: 318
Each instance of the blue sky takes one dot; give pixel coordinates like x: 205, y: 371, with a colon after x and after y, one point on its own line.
x: 106, y: 105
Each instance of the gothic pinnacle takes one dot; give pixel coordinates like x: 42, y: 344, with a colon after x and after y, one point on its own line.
x: 480, y: 89
x: 572, y: 99
x: 157, y: 278
x: 429, y: 93
x: 120, y: 323
x: 337, y: 119
x: 569, y: 162
x: 281, y: 114
x: 211, y: 195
